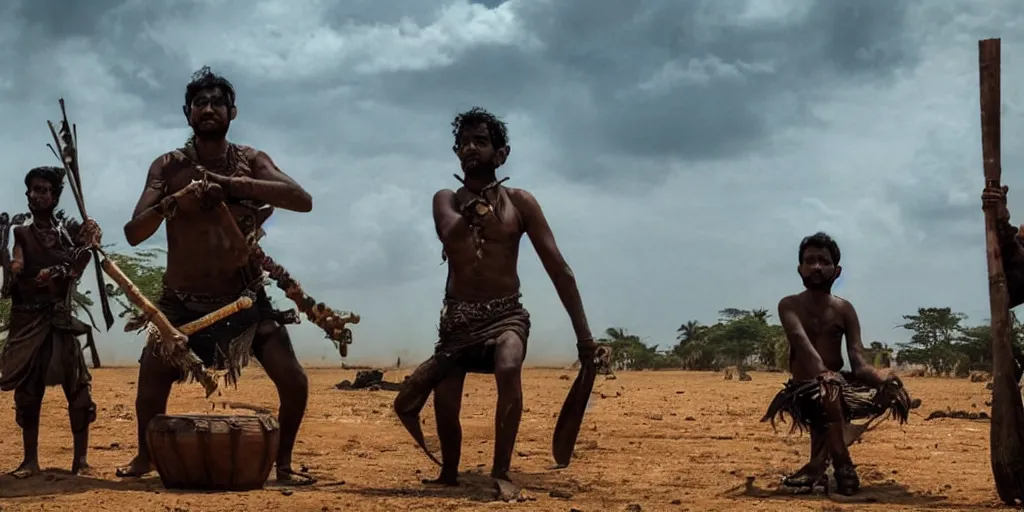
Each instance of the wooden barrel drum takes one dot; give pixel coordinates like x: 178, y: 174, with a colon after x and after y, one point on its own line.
x: 225, y: 453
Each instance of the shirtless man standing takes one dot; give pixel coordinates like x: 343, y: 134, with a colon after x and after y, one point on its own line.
x: 203, y: 270
x: 483, y: 326
x: 42, y: 348
x: 818, y: 396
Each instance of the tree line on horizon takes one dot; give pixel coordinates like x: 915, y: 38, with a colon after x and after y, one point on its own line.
x: 942, y: 343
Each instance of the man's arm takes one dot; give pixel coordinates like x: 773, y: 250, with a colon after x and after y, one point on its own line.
x: 855, y: 347
x: 806, y: 355
x: 558, y: 270
x: 17, y: 254
x: 81, y: 234
x: 150, y: 210
x: 268, y: 184
x: 1013, y: 262
x: 446, y: 217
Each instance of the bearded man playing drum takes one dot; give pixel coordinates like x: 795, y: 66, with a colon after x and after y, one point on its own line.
x: 483, y: 326
x: 204, y: 270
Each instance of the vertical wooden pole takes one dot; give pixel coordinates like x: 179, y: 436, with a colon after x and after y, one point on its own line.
x: 1006, y: 436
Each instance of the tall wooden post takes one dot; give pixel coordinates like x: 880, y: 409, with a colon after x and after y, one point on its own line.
x: 1007, y: 436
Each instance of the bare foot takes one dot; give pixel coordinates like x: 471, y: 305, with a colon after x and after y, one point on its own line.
x: 807, y: 476
x: 507, y: 491
x: 449, y: 480
x: 26, y: 469
x: 288, y: 476
x: 81, y: 468
x: 139, y: 466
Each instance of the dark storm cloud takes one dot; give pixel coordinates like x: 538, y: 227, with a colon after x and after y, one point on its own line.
x: 719, y: 77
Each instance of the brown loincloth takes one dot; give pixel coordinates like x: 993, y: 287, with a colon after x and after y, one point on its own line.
x: 468, y: 331
x: 802, y: 402
x: 227, y: 344
x: 32, y: 327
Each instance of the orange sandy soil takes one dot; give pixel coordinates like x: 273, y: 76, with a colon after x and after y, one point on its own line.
x: 663, y: 440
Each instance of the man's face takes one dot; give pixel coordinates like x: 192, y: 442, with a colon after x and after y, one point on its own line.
x: 817, y: 269
x: 210, y: 114
x: 476, y: 152
x: 40, y: 196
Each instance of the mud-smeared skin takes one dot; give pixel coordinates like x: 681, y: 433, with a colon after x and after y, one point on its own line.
x: 199, y: 262
x: 480, y: 227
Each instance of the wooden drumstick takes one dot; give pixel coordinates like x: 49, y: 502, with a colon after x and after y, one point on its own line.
x: 216, y: 316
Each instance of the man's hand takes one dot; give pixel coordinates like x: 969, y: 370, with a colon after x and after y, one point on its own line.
x: 90, y: 235
x: 45, y: 275
x: 994, y: 199
x: 893, y: 380
x: 828, y: 375
x: 199, y: 195
x: 586, y: 348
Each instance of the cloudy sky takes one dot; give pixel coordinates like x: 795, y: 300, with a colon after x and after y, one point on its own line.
x: 680, y: 149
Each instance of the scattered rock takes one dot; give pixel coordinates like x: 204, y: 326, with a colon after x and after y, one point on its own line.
x: 565, y: 495
x: 287, y: 492
x: 958, y: 415
x: 372, y: 380
x: 980, y: 377
x: 677, y: 502
x: 689, y: 418
x: 564, y: 377
x: 634, y: 507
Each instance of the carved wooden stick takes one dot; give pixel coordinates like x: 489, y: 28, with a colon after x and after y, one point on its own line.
x: 216, y: 316
x: 168, y: 333
x: 331, y: 321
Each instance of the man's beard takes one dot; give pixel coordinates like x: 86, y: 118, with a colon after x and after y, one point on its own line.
x: 479, y: 169
x: 40, y: 211
x: 208, y: 134
x: 823, y: 286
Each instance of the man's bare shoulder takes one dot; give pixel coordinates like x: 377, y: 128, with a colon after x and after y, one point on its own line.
x: 789, y: 301
x: 19, y: 231
x: 444, y: 193
x: 520, y: 194
x: 170, y: 160
x: 841, y: 304
x: 250, y: 152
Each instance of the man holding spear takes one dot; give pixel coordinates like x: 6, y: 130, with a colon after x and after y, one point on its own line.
x: 42, y: 348
x: 215, y: 195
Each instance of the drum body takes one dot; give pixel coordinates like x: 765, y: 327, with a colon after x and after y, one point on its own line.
x: 227, y: 453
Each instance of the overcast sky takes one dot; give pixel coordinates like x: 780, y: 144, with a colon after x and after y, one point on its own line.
x: 680, y: 149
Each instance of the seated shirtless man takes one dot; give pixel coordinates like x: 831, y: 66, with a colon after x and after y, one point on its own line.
x: 818, y: 397
x: 484, y: 327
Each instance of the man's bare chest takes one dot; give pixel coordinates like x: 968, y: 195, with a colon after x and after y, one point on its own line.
x: 823, y: 326
x: 499, y: 228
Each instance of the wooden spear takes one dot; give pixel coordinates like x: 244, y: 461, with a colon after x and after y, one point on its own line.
x: 1006, y: 437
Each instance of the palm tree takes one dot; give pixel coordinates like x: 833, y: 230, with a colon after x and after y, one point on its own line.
x: 689, y: 331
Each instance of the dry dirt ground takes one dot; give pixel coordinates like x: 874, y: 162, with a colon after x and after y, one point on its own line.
x: 661, y: 440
